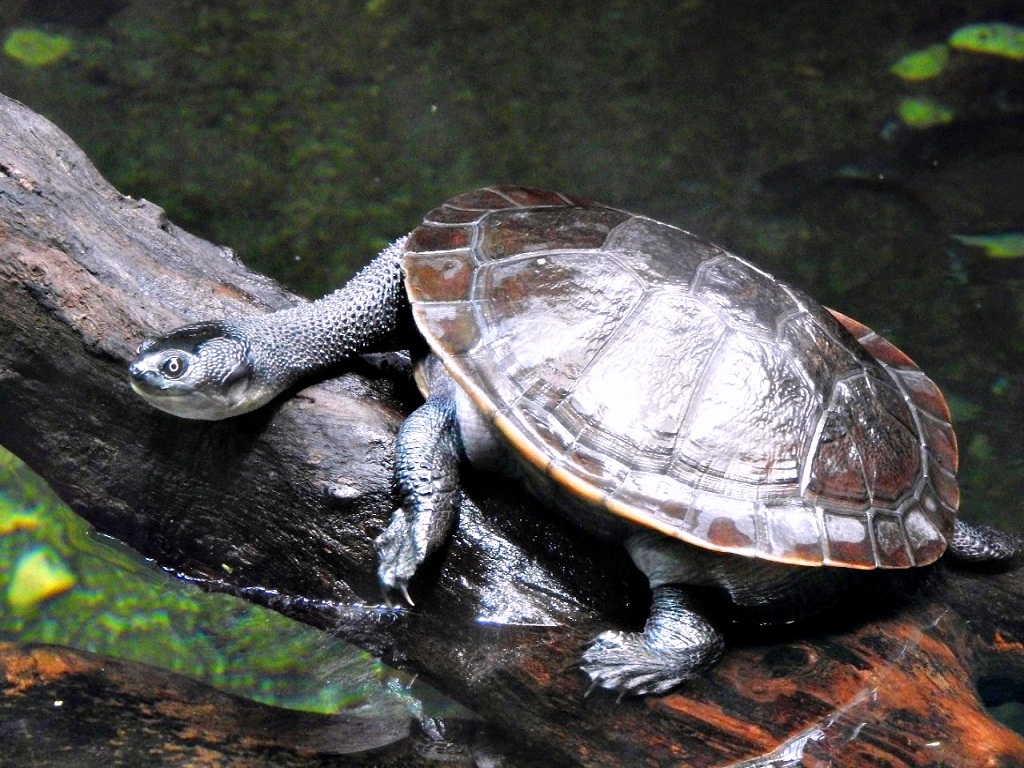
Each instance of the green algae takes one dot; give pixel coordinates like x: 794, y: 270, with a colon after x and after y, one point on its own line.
x: 923, y: 64
x: 35, y: 48
x: 112, y: 602
x: 993, y: 38
x: 996, y: 245
x: 922, y: 112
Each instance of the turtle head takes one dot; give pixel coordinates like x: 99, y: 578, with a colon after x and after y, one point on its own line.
x: 201, y: 371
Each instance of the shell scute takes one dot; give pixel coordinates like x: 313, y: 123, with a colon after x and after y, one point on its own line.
x: 747, y: 421
x: 818, y: 346
x: 439, y: 238
x: 923, y: 537
x: 867, y: 451
x: 929, y: 399
x: 740, y: 297
x: 848, y: 536
x: 493, y: 199
x: 546, y: 318
x: 448, y: 325
x: 444, y: 277
x: 890, y: 540
x: 515, y: 231
x: 659, y: 255
x: 794, y: 530
x: 725, y: 533
x: 944, y: 482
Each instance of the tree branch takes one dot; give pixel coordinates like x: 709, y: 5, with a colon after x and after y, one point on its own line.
x: 283, y: 505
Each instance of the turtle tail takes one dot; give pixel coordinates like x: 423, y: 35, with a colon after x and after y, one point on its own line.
x: 983, y: 544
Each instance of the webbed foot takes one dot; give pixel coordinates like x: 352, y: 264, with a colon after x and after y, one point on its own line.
x: 677, y: 643
x: 620, y: 661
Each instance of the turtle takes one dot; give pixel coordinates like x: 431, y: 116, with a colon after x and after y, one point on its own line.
x: 746, y: 444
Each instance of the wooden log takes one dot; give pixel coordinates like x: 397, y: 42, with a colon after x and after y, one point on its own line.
x: 76, y: 709
x: 282, y: 505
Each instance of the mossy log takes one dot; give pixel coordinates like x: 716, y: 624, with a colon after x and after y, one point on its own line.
x: 282, y: 505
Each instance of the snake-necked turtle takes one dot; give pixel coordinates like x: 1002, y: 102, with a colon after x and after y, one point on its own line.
x: 741, y: 439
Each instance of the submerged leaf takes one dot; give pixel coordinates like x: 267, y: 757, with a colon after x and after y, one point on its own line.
x: 923, y: 64
x: 36, y: 48
x: 995, y: 38
x: 996, y: 245
x: 920, y: 112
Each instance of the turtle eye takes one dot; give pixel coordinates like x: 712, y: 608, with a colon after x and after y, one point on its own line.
x: 173, y: 367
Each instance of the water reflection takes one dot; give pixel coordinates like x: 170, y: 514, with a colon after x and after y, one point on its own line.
x: 68, y: 586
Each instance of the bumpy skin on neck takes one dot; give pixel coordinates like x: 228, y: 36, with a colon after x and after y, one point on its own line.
x: 364, y: 315
x: 217, y: 369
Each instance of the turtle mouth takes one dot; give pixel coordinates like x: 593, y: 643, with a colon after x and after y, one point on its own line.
x: 201, y: 403
x: 149, y: 383
x: 186, y: 404
x: 146, y: 387
x: 177, y: 399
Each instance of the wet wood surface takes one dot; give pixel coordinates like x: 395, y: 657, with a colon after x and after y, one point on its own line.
x: 63, y: 707
x: 290, y: 498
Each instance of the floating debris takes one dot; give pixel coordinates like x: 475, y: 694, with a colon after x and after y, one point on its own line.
x: 923, y: 64
x: 996, y: 245
x: 35, y: 48
x: 38, y: 575
x: 995, y: 38
x: 921, y: 112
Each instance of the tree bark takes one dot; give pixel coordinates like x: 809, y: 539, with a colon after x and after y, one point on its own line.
x: 282, y: 505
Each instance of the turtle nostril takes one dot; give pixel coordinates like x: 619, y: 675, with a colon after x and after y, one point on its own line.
x: 137, y: 372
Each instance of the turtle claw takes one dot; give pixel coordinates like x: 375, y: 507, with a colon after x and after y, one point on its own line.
x: 404, y: 589
x: 397, y: 554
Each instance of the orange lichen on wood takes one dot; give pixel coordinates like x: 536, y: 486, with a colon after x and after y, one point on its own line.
x: 712, y: 715
x: 40, y: 665
x: 1005, y: 644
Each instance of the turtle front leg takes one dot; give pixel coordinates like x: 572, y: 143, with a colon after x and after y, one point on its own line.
x: 677, y: 643
x: 427, y: 476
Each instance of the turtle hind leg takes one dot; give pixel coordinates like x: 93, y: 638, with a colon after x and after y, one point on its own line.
x: 983, y: 544
x: 677, y: 643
